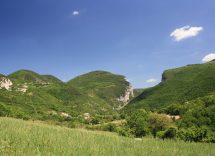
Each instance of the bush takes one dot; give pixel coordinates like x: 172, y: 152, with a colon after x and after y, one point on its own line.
x: 174, y: 109
x: 125, y: 131
x: 158, y: 122
x: 4, y: 111
x: 169, y: 133
x: 110, y: 127
x: 122, y: 116
x: 160, y: 134
x: 95, y: 121
x: 138, y: 123
x: 196, y: 134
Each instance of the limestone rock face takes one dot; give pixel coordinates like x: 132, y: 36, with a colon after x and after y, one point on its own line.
x: 5, y: 83
x: 126, y: 97
x: 24, y: 88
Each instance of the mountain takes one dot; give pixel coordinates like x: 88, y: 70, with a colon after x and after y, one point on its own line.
x: 114, y: 89
x: 26, y: 76
x: 178, y: 86
x: 27, y: 94
x: 138, y: 91
x: 52, y: 79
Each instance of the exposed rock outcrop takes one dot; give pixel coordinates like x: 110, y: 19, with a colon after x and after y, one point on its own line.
x: 24, y: 88
x: 65, y: 115
x: 86, y: 116
x: 126, y: 97
x: 5, y: 83
x: 173, y: 117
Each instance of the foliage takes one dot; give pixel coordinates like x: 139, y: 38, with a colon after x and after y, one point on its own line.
x: 169, y: 133
x: 46, y: 94
x: 199, y: 112
x: 110, y: 127
x: 158, y: 122
x: 138, y: 123
x: 197, y: 121
x: 104, y: 85
x: 95, y: 120
x: 196, y: 134
x: 173, y: 109
x: 178, y: 86
x: 125, y: 131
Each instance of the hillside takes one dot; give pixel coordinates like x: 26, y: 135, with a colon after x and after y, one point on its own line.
x: 26, y: 96
x: 26, y: 76
x: 29, y: 95
x: 20, y: 138
x: 105, y: 85
x: 178, y: 85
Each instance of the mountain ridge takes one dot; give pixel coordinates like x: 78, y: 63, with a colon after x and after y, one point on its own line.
x: 178, y: 85
x: 32, y: 95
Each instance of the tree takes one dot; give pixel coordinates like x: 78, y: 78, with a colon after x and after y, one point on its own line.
x: 158, y: 122
x: 138, y: 123
x: 196, y: 134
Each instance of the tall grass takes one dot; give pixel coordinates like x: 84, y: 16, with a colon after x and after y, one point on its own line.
x: 20, y: 138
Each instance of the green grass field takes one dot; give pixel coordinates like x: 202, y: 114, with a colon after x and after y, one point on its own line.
x: 30, y: 138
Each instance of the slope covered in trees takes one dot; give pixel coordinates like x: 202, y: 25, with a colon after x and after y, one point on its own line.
x: 178, y: 85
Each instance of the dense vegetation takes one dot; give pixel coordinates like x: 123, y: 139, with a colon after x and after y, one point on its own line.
x: 193, y: 121
x: 102, y: 84
x: 178, y: 86
x: 46, y: 97
x: 20, y: 138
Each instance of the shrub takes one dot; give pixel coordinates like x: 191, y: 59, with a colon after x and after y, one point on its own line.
x: 95, y: 120
x: 160, y: 134
x: 169, y: 133
x: 174, y: 109
x: 110, y: 127
x: 125, y: 131
x: 196, y: 134
x: 138, y: 123
x: 158, y: 122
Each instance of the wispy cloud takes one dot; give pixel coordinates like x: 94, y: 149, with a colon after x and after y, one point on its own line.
x: 208, y: 57
x: 75, y: 13
x: 185, y: 32
x: 152, y: 80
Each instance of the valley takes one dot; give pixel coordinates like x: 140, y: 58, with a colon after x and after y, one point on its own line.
x: 176, y: 114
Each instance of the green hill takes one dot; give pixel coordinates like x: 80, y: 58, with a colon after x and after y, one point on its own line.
x: 103, y: 85
x: 52, y: 79
x: 178, y: 85
x: 45, y: 97
x: 26, y: 76
x: 20, y: 138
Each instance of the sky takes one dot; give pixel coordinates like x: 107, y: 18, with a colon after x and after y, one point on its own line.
x: 136, y: 38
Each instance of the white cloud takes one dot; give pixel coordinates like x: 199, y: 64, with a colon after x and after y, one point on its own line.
x: 209, y: 57
x: 152, y: 80
x: 75, y: 13
x: 185, y: 32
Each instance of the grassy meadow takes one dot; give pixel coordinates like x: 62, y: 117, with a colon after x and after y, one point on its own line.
x: 19, y: 138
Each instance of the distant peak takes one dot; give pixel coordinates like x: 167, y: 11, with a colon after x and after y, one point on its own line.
x: 100, y: 71
x: 25, y: 71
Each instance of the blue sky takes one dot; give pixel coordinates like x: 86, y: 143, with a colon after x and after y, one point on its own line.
x: 66, y: 38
